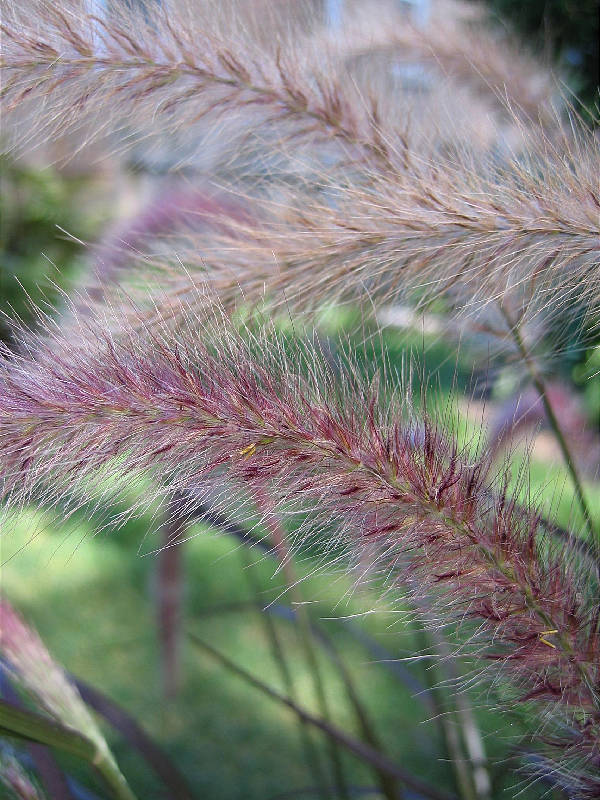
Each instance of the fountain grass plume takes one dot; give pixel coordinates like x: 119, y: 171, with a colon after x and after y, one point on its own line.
x: 204, y: 406
x: 522, y: 229
x: 89, y: 72
x: 524, y: 232
x: 179, y: 66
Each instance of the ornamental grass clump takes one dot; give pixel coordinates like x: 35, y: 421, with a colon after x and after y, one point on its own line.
x: 171, y: 366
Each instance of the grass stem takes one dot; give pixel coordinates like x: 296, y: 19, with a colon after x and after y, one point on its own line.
x: 540, y: 386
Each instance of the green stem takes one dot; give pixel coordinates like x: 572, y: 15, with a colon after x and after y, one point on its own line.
x: 283, y: 555
x: 444, y: 714
x: 388, y: 785
x: 478, y: 777
x: 540, y: 386
x: 107, y: 767
x: 312, y: 757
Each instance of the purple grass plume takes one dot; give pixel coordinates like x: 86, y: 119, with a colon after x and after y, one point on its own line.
x: 206, y: 407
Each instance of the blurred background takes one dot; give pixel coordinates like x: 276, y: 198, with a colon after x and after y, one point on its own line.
x: 115, y: 613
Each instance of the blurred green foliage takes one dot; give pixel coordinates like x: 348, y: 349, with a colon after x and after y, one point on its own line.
x: 586, y: 375
x: 36, y: 257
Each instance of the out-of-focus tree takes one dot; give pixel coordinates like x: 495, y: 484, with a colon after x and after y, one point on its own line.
x: 566, y: 30
x: 40, y: 223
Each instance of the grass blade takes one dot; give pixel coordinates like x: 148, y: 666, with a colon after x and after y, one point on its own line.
x: 138, y: 739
